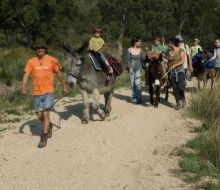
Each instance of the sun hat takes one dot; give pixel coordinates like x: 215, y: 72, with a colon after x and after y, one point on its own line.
x: 179, y: 37
x: 40, y: 43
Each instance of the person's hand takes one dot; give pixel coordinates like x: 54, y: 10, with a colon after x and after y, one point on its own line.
x: 65, y: 90
x: 173, y: 67
x: 24, y: 91
x: 131, y: 70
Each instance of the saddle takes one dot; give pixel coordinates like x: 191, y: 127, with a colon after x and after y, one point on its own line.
x: 99, y: 65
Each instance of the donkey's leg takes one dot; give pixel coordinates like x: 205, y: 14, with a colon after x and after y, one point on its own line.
x: 167, y: 92
x: 205, y: 79
x: 157, y: 93
x: 213, y: 77
x: 212, y: 83
x: 86, y: 117
x: 151, y: 92
x: 96, y: 106
x: 108, y: 100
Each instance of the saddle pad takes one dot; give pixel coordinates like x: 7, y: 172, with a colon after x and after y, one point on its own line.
x: 116, y: 66
x: 96, y: 63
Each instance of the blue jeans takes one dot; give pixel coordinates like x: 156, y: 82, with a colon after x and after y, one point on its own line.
x: 44, y: 102
x: 135, y: 78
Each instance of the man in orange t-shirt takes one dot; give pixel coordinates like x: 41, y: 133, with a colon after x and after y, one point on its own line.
x: 42, y: 68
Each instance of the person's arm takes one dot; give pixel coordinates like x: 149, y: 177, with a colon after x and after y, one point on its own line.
x: 214, y: 57
x: 189, y: 58
x: 181, y: 62
x: 63, y: 84
x: 24, y: 90
x: 128, y: 58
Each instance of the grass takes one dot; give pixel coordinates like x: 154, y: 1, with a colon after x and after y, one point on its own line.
x: 212, y: 186
x: 123, y: 81
x: 204, y: 160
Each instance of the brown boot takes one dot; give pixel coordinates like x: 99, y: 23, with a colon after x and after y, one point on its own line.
x: 49, y: 133
x: 43, y: 141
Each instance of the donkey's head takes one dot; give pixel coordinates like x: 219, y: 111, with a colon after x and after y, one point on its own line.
x: 74, y: 65
x: 74, y: 61
x: 155, y: 64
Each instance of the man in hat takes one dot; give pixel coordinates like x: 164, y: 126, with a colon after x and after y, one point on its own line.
x: 42, y: 68
x: 96, y: 44
x: 196, y: 47
x: 188, y: 59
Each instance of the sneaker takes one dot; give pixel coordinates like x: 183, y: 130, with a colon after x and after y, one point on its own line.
x: 134, y: 101
x: 178, y: 106
x: 183, y: 103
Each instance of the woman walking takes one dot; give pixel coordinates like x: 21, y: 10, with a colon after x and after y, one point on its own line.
x: 135, y: 60
x: 176, y: 59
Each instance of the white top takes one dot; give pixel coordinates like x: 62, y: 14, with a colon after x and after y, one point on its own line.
x: 186, y: 49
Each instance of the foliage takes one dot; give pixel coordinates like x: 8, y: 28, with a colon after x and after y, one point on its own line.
x: 22, y: 21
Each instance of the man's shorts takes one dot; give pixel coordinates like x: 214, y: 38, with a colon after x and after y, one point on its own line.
x: 44, y: 102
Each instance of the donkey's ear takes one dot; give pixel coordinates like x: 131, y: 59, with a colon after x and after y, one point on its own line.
x: 67, y: 48
x: 83, y: 49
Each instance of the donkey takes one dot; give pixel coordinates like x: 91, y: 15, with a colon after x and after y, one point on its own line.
x: 154, y: 76
x: 201, y: 69
x: 81, y: 71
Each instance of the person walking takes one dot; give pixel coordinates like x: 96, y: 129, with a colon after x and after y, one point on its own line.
x: 135, y: 60
x: 196, y: 48
x: 187, y: 65
x: 216, y: 57
x: 42, y: 68
x: 176, y: 60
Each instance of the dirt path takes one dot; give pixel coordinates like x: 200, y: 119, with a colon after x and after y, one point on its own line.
x: 129, y: 151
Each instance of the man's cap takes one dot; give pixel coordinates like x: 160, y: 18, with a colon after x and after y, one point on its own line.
x: 196, y: 40
x: 179, y: 37
x: 40, y: 43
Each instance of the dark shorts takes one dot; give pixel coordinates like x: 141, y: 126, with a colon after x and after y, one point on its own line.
x: 44, y: 102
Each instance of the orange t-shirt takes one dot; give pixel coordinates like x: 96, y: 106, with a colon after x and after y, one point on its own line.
x: 42, y: 71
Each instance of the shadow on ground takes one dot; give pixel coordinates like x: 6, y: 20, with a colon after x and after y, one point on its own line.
x: 35, y: 127
x: 146, y: 100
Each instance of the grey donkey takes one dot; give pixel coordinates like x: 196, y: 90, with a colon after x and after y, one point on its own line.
x: 81, y: 71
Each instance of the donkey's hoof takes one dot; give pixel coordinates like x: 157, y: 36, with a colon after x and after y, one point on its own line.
x: 107, y: 114
x: 103, y: 116
x: 156, y: 105
x: 84, y: 121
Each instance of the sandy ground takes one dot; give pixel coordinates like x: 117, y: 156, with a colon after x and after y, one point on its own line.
x: 128, y: 151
